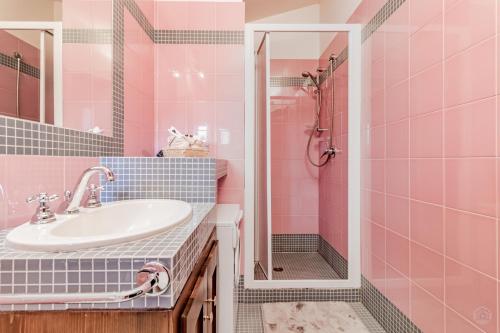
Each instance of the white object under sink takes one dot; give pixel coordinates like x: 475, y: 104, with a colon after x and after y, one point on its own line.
x: 112, y: 223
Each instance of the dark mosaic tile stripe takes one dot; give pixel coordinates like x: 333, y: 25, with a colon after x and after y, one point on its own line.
x: 378, y: 19
x: 289, y: 81
x: 199, y: 37
x: 295, y: 242
x: 21, y: 137
x: 333, y: 258
x: 296, y: 294
x: 25, y: 68
x: 87, y: 36
x: 386, y: 313
x: 139, y: 16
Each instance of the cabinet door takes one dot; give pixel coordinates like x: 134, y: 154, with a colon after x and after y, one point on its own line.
x: 193, y: 317
x: 211, y: 272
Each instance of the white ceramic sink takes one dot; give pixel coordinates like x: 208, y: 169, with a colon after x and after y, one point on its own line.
x: 112, y: 223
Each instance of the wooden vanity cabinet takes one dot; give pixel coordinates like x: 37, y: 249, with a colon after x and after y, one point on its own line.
x: 199, y: 315
x: 195, y: 310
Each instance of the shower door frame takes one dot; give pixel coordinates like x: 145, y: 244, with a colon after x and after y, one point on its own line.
x: 354, y: 155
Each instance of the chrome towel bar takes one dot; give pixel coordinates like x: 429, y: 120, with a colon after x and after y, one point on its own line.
x: 152, y: 279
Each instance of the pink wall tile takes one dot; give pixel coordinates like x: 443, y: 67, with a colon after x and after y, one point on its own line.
x: 426, y: 311
x: 229, y: 16
x: 397, y: 139
x: 426, y: 44
x: 426, y: 135
x: 423, y: 88
x: 466, y: 80
x: 468, y: 22
x: 397, y: 289
x: 471, y: 239
x: 470, y: 129
x: 46, y: 177
x: 398, y: 252
x: 427, y: 225
x: 468, y: 291
x: 397, y: 99
x: 427, y: 270
x: 398, y: 177
x: 421, y: 172
x: 471, y: 185
x: 171, y: 15
x: 423, y: 11
x: 398, y: 215
x: 457, y: 323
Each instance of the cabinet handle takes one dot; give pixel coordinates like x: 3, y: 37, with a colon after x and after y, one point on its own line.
x: 210, y: 317
x: 212, y: 300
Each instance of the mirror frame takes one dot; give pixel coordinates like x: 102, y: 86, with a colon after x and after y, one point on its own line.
x: 26, y: 137
x: 56, y: 28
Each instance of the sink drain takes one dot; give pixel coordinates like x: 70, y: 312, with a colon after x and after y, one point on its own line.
x: 278, y: 269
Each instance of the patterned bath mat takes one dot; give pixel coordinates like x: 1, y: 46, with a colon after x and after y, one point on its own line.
x: 311, y: 317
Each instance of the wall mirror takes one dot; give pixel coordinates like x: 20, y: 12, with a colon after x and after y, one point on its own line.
x: 56, y: 68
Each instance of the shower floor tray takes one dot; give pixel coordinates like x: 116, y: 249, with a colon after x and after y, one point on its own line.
x: 299, y: 266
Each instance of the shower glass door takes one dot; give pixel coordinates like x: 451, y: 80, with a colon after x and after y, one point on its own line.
x: 303, y: 134
x: 263, y: 253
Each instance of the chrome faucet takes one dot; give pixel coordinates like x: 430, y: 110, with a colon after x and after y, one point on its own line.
x: 73, y: 200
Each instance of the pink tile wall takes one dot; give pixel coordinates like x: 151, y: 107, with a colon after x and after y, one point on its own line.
x: 139, y: 90
x: 430, y: 162
x: 294, y: 179
x: 87, y: 68
x: 333, y: 176
x: 200, y: 88
x: 28, y: 85
x: 52, y: 174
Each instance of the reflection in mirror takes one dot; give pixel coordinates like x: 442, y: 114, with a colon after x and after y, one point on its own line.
x: 27, y: 74
x: 86, y: 65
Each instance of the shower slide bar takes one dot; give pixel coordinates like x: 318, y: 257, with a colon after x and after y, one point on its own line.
x: 153, y: 279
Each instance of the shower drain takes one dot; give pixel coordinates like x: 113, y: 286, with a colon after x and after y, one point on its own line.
x: 278, y: 269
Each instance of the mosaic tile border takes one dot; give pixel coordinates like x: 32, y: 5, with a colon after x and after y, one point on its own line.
x: 141, y: 19
x: 295, y: 242
x: 219, y: 37
x: 11, y: 62
x: 311, y: 243
x: 180, y: 178
x: 24, y: 137
x: 386, y: 313
x: 333, y: 258
x: 110, y: 268
x: 295, y: 294
x: 87, y: 36
x: 289, y: 81
x: 376, y: 22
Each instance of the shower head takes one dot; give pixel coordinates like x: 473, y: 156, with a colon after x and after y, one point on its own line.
x: 312, y: 77
x: 18, y: 55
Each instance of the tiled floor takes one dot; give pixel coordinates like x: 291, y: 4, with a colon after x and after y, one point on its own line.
x: 250, y: 318
x: 299, y: 266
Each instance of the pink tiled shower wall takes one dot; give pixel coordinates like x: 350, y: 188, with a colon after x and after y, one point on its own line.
x: 332, y: 181
x: 294, y: 184
x: 430, y: 162
x: 28, y: 85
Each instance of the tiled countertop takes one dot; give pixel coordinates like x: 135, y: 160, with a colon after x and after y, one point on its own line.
x: 110, y: 268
